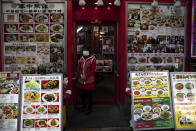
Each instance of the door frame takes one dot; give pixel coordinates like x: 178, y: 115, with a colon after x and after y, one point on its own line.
x: 115, y: 59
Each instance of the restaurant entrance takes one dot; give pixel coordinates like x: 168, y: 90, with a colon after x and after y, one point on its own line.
x: 101, y: 36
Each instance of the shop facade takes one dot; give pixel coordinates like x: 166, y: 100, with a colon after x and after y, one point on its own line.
x: 127, y: 29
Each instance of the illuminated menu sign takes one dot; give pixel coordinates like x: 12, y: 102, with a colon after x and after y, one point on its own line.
x: 184, y: 99
x: 41, y: 103
x: 151, y: 100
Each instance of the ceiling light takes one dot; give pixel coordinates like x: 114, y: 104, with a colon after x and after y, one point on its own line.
x: 42, y: 1
x: 110, y: 3
x: 82, y: 2
x: 117, y: 2
x: 154, y: 3
x: 16, y: 1
x: 177, y: 3
x: 99, y: 3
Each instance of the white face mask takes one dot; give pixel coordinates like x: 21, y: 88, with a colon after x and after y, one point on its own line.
x: 85, y: 53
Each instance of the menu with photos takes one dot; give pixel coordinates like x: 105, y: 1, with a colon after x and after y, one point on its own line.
x: 151, y: 100
x: 33, y: 36
x: 184, y: 100
x: 41, y: 103
x: 9, y: 88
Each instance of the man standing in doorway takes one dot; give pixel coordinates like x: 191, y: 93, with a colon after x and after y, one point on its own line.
x: 87, y: 67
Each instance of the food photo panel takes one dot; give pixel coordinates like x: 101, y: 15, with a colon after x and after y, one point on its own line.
x: 25, y: 18
x: 41, y: 18
x: 49, y: 97
x: 59, y: 18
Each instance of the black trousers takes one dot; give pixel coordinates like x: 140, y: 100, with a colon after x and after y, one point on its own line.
x: 86, y: 95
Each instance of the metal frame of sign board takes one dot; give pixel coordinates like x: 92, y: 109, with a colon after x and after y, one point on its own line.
x: 60, y: 91
x: 132, y: 108
x: 173, y: 73
x: 18, y: 100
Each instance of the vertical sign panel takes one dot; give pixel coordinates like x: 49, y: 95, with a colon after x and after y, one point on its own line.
x: 184, y: 91
x: 151, y: 106
x: 41, y: 104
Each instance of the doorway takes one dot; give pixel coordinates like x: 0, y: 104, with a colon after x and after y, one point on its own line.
x: 102, y: 39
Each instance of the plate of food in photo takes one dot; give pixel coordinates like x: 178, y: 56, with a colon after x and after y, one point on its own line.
x: 147, y: 82
x: 189, y: 86
x: 179, y: 86
x: 49, y: 97
x: 41, y: 28
x: 142, y: 68
x: 165, y: 107
x: 41, y: 18
x: 165, y: 115
x: 190, y: 96
x: 32, y: 84
x: 41, y: 109
x: 10, y: 28
x: 138, y: 111
x: 159, y: 82
x: 156, y: 110
x: 53, y: 109
x: 53, y: 123
x: 155, y: 116
x: 146, y: 116
x: 28, y: 123
x: 50, y: 84
x: 135, y: 82
x: 159, y: 92
x: 11, y: 37
x: 180, y: 96
x: 147, y: 108
x: 136, y: 93
x: 137, y: 117
x: 41, y: 123
x: 57, y: 28
x: 26, y: 28
x: 29, y: 109
x: 169, y: 59
x: 57, y: 17
x: 25, y: 18
x: 132, y: 60
x: 156, y: 60
x: 148, y: 92
x: 142, y: 60
x: 31, y: 96
x: 56, y: 37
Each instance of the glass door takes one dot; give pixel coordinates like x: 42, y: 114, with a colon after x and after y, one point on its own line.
x: 102, y: 39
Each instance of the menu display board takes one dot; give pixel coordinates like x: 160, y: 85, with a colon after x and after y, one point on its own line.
x: 151, y: 100
x: 9, y: 88
x: 33, y: 37
x: 41, y: 103
x: 184, y: 100
x: 155, y: 37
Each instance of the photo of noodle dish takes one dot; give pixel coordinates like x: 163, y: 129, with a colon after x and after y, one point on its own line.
x: 32, y: 84
x: 31, y: 95
x: 146, y: 116
x: 53, y: 122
